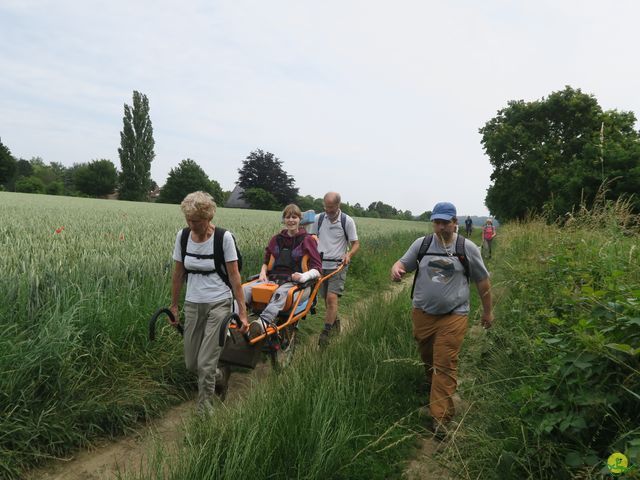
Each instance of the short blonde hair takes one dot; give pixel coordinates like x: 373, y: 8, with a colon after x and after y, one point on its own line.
x: 198, y: 204
x: 292, y: 210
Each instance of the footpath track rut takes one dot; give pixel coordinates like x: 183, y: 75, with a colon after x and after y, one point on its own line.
x: 106, y: 458
x: 129, y: 453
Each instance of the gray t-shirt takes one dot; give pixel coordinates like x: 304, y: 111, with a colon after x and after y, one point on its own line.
x: 441, y: 286
x: 332, y: 243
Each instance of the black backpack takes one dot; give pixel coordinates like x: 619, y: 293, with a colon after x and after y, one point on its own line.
x: 343, y: 222
x: 217, y: 255
x: 459, y: 253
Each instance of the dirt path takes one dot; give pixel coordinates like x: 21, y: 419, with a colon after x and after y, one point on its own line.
x: 109, y: 457
x: 424, y: 465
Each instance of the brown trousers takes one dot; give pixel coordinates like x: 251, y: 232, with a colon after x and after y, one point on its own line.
x: 439, y: 340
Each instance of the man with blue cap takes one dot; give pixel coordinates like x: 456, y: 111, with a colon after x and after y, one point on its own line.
x: 445, y: 264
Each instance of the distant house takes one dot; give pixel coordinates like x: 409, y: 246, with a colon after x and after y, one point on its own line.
x: 154, y: 194
x: 235, y: 200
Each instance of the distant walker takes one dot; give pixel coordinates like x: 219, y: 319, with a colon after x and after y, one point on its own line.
x: 468, y: 226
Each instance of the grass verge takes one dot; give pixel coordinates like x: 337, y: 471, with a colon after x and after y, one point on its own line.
x: 76, y: 364
x: 554, y: 388
x: 345, y: 412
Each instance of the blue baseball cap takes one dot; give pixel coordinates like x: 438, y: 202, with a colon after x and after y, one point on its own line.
x: 443, y: 211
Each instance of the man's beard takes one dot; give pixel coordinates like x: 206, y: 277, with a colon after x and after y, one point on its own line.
x: 446, y: 237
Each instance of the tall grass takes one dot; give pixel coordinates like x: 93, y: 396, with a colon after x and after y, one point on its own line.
x: 554, y: 388
x: 74, y: 305
x: 348, y: 412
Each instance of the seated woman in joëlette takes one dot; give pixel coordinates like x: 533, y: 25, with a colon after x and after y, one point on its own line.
x: 287, y: 249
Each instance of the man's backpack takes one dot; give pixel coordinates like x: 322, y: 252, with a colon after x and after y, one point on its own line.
x: 459, y: 253
x: 217, y: 255
x: 343, y: 222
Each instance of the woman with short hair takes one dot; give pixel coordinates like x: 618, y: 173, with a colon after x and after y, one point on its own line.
x: 208, y: 299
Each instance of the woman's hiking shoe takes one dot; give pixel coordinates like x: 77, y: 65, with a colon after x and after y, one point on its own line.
x: 222, y: 381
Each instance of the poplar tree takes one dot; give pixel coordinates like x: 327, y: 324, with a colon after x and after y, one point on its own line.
x: 136, y: 150
x: 8, y: 165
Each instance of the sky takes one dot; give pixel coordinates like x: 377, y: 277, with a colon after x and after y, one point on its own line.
x: 378, y: 100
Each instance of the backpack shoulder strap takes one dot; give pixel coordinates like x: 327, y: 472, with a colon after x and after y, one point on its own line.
x: 320, y: 220
x: 184, y: 238
x: 343, y: 221
x: 424, y: 247
x: 218, y: 254
x: 462, y: 256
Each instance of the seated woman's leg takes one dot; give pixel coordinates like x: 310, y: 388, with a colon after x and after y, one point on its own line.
x: 305, y: 294
x: 277, y: 302
x: 247, y: 293
x: 247, y: 290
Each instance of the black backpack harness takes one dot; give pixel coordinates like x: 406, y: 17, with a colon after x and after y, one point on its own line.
x: 217, y: 255
x: 343, y: 222
x: 459, y: 254
x: 285, y: 265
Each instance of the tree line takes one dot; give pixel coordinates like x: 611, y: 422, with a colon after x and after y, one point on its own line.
x: 265, y: 183
x: 549, y: 156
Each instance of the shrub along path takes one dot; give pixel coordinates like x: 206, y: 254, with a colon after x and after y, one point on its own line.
x: 130, y: 453
x: 553, y: 386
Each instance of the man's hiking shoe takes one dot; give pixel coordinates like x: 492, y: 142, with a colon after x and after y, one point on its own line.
x: 424, y: 412
x: 441, y: 430
x: 326, y: 333
x: 335, y: 329
x: 323, y: 340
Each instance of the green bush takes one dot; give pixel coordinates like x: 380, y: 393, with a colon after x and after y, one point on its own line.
x: 556, y: 384
x: 29, y: 185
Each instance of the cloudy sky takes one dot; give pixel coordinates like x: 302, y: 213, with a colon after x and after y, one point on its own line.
x: 380, y: 100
